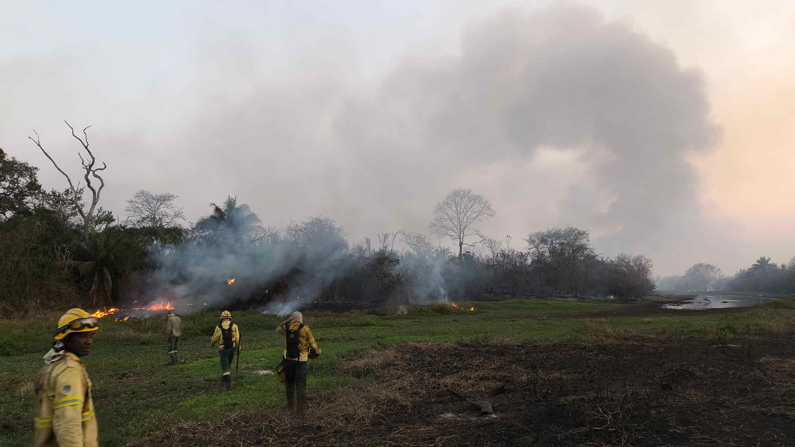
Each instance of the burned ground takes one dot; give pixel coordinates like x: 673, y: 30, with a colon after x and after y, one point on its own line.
x: 736, y: 388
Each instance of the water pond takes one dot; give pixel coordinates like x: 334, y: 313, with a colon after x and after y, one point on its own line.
x: 718, y: 301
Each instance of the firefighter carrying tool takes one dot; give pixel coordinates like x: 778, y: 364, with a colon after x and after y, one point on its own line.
x: 228, y: 337
x: 299, y: 347
x: 64, y: 409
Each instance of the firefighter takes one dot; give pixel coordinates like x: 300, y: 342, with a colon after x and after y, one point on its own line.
x: 174, y: 329
x: 229, y: 337
x: 299, y: 347
x: 64, y: 409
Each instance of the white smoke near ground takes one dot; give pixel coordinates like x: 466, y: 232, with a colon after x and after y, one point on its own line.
x: 281, y: 309
x: 223, y: 267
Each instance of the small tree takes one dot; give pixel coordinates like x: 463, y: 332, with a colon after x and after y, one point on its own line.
x: 700, y: 275
x: 493, y: 247
x: 419, y: 243
x: 146, y: 209
x: 630, y: 276
x: 89, y: 171
x: 320, y: 236
x: 19, y: 186
x: 456, y: 215
x: 564, y: 256
x: 232, y: 225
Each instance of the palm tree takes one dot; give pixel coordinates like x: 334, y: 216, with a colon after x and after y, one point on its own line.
x: 232, y: 224
x: 762, y: 264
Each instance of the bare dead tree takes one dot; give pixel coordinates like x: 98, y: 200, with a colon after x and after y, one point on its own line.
x: 264, y: 234
x: 456, y: 215
x: 493, y: 246
x: 387, y: 240
x: 147, y: 209
x: 418, y: 242
x: 90, y: 171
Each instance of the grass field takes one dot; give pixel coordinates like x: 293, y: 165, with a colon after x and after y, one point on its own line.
x: 136, y: 393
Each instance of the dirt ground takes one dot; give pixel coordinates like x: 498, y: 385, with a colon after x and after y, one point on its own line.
x: 732, y: 390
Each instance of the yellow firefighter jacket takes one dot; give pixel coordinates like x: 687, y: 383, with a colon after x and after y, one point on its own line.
x: 217, y: 338
x: 64, y: 410
x: 305, y: 341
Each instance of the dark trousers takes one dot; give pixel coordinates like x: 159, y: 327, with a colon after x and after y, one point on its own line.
x: 227, y: 356
x: 295, y: 383
x: 172, y: 349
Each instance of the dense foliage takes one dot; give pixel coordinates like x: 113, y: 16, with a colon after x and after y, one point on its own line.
x: 46, y: 259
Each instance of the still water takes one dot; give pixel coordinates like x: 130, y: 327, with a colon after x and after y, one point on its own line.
x: 717, y: 301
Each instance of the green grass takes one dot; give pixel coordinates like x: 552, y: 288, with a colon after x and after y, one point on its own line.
x: 137, y: 393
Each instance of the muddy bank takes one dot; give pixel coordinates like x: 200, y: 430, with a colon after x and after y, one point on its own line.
x: 733, y: 390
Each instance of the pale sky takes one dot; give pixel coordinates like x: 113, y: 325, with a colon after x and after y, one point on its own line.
x: 663, y: 127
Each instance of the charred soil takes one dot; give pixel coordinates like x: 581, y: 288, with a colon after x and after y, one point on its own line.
x: 734, y: 389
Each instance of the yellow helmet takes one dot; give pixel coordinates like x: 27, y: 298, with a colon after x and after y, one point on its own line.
x: 75, y: 320
x: 226, y: 314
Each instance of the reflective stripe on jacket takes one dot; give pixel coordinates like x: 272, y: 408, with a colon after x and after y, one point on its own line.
x: 64, y: 410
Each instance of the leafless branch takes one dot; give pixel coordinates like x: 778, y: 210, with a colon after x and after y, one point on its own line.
x: 75, y: 198
x: 90, y: 171
x: 456, y: 215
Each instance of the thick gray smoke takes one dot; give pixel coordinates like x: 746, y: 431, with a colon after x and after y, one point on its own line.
x: 557, y: 116
x: 557, y: 81
x: 220, y: 265
x: 377, y: 157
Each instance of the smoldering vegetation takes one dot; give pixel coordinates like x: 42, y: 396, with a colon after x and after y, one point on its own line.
x: 229, y: 260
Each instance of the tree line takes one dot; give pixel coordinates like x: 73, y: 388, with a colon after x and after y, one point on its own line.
x: 761, y: 276
x: 61, y: 246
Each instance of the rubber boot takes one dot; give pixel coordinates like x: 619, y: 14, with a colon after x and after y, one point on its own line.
x: 176, y: 358
x: 173, y: 359
x: 228, y: 382
x: 300, y: 406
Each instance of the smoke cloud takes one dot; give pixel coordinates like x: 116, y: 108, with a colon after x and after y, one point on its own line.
x: 558, y: 116
x: 616, y: 108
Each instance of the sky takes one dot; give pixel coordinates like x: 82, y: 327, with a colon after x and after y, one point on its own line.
x: 665, y: 128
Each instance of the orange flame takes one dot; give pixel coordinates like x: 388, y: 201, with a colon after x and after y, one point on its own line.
x: 103, y: 312
x: 230, y: 281
x: 471, y: 309
x: 453, y: 304
x: 161, y: 306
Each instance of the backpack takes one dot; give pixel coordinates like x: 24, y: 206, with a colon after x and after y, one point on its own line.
x: 226, y: 336
x: 291, y: 342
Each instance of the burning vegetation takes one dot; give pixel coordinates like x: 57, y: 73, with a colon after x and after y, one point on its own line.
x: 101, y: 313
x: 454, y: 305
